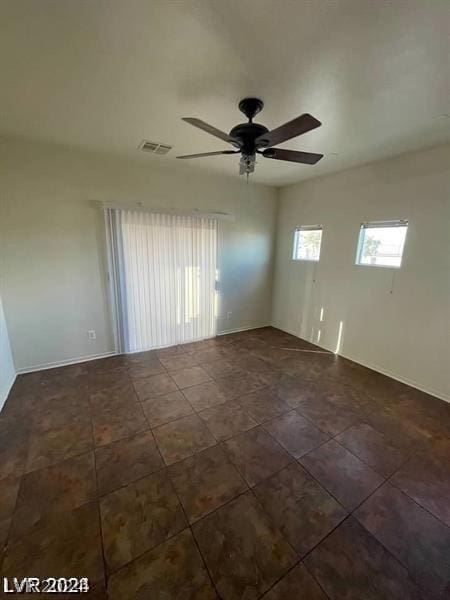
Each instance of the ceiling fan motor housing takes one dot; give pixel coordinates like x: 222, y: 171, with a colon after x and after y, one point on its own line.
x: 246, y: 134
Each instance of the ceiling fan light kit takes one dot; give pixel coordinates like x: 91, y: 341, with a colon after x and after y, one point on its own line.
x: 251, y: 138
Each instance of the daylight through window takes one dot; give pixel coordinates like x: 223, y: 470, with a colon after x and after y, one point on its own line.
x: 307, y: 241
x: 381, y: 243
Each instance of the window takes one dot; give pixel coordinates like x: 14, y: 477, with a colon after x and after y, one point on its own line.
x: 381, y: 243
x: 307, y: 242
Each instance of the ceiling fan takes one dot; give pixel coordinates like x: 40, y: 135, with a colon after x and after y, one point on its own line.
x: 251, y: 138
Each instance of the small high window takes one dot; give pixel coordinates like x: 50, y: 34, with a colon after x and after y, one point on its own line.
x: 381, y: 243
x: 307, y: 242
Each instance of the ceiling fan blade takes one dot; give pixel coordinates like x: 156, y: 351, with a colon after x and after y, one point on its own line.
x: 209, y: 129
x: 307, y: 158
x: 209, y: 154
x: 287, y: 131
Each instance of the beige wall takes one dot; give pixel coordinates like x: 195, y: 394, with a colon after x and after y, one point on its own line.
x: 7, y: 370
x: 52, y: 241
x: 53, y: 259
x: 404, y: 333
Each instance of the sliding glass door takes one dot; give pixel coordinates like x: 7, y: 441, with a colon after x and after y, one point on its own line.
x: 165, y: 277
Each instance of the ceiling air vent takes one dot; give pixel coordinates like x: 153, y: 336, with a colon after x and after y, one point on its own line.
x: 154, y: 147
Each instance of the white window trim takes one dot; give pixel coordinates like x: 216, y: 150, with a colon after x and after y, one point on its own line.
x: 306, y: 228
x: 379, y: 224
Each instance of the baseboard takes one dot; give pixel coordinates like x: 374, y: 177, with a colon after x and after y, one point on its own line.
x: 397, y: 377
x: 376, y: 368
x: 237, y: 329
x: 64, y: 363
x: 291, y: 332
x: 4, y: 393
x: 72, y: 361
x: 82, y: 359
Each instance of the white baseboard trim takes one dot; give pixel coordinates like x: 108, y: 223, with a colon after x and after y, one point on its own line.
x: 82, y: 359
x: 410, y: 382
x: 4, y: 393
x: 65, y: 363
x: 237, y: 329
x: 72, y: 361
x: 292, y: 332
x: 376, y: 368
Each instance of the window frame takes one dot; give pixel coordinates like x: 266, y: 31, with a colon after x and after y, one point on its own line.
x: 297, y: 230
x: 378, y: 225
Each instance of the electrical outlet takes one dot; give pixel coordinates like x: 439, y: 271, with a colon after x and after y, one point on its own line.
x: 91, y: 334
x: 229, y: 313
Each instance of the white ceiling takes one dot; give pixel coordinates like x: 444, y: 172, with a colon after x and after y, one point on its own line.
x: 105, y: 74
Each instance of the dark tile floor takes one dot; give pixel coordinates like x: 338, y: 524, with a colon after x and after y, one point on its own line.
x: 239, y: 467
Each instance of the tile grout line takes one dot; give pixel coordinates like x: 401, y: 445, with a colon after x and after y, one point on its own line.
x: 250, y: 488
x: 385, y: 479
x: 389, y: 552
x: 189, y: 526
x: 352, y: 515
x: 7, y: 539
x: 105, y: 570
x: 388, y: 480
x: 220, y: 442
x: 316, y: 580
x: 109, y: 573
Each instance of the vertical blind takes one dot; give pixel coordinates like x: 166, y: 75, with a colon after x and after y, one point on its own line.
x: 165, y: 277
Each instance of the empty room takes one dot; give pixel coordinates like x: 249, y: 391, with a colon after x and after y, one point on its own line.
x: 225, y: 299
